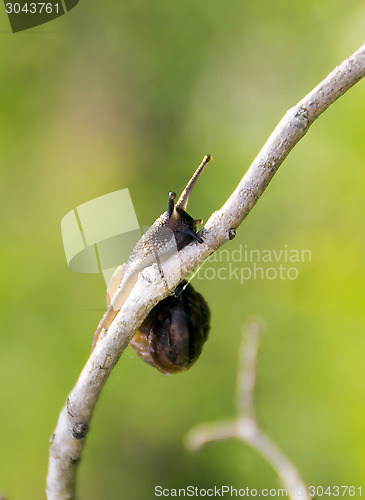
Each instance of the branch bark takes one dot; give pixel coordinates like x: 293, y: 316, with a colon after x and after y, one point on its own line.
x: 69, y: 437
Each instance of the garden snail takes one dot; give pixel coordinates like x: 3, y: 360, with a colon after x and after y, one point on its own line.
x: 172, y: 335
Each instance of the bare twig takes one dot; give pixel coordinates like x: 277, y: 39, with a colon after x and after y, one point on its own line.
x: 67, y: 442
x: 246, y: 379
x: 245, y: 426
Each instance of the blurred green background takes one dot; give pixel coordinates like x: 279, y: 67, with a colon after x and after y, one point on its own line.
x: 132, y: 94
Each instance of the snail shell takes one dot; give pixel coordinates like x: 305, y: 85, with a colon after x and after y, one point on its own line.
x: 172, y: 336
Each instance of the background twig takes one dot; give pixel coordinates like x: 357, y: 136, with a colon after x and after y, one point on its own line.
x: 245, y: 426
x: 67, y: 443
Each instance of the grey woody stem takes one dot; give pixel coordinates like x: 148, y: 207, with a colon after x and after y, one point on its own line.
x: 69, y: 437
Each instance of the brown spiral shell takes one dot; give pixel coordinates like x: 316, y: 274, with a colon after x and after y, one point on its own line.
x: 172, y: 336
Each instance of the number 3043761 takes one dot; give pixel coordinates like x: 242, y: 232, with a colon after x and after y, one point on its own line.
x: 31, y: 8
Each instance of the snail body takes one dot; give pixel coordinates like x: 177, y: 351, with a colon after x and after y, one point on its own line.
x: 171, y: 232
